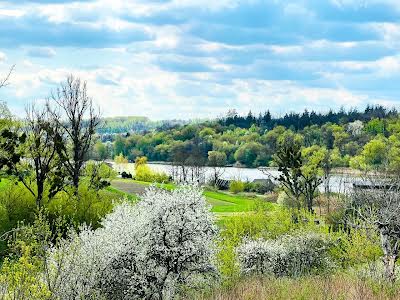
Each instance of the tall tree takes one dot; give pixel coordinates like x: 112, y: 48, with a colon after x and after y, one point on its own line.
x: 216, y: 160
x: 289, y: 161
x: 44, y: 142
x: 78, y: 119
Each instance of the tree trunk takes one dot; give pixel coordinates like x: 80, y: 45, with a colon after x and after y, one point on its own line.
x: 389, y: 262
x: 40, y: 190
x: 389, y: 255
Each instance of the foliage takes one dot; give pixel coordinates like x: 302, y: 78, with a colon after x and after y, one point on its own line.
x: 120, y: 159
x: 263, y: 187
x: 99, y: 175
x: 236, y: 186
x: 87, y: 207
x: 252, y: 141
x: 144, y: 173
x: 19, y: 279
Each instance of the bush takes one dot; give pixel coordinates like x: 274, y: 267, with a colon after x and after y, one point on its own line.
x: 19, y: 279
x: 144, y: 251
x: 88, y: 207
x: 16, y: 205
x: 286, y: 256
x: 144, y: 173
x: 236, y: 186
x: 259, y: 187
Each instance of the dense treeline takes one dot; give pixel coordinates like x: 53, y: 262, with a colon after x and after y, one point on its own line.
x: 299, y: 121
x: 353, y: 138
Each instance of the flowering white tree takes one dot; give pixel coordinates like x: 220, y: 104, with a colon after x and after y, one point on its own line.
x: 145, y: 251
x: 355, y: 128
x: 286, y: 256
x: 176, y: 246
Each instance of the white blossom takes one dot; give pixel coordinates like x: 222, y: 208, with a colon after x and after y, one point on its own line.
x: 355, y: 128
x: 142, y: 251
x: 286, y: 256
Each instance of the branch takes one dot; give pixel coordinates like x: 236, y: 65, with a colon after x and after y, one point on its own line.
x: 4, y: 82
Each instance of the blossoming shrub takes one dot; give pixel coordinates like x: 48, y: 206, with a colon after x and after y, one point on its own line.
x: 286, y: 256
x: 146, y: 251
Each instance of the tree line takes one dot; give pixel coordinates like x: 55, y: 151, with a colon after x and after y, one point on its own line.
x: 357, y: 140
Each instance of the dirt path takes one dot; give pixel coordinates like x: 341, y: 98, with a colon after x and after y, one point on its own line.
x: 130, y: 187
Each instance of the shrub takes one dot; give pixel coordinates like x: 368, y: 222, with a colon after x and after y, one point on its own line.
x: 88, y: 207
x: 259, y: 187
x: 19, y: 279
x: 236, y: 186
x: 143, y: 251
x: 16, y: 205
x: 286, y: 256
x: 144, y: 173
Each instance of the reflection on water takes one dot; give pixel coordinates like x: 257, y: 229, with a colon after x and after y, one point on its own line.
x: 337, y: 183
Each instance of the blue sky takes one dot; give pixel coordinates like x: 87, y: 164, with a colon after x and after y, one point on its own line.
x: 198, y: 58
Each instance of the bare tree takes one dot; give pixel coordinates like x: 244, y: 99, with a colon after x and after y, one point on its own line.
x: 376, y: 203
x: 78, y: 119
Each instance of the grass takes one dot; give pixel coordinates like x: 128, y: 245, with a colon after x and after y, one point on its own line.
x: 222, y: 203
x: 337, y: 286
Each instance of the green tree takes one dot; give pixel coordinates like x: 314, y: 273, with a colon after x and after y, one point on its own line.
x: 247, y: 153
x: 216, y: 160
x: 373, y: 155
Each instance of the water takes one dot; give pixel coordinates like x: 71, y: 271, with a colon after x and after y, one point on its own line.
x: 337, y: 183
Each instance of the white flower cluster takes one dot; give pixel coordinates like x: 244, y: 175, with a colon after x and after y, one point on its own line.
x: 145, y: 251
x: 286, y: 256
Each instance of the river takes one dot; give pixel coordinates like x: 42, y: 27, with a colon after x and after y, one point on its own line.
x: 338, y: 183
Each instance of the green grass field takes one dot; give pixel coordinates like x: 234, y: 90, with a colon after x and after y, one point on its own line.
x: 222, y: 203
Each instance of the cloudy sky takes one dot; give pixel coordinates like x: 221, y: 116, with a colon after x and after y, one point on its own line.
x: 198, y: 58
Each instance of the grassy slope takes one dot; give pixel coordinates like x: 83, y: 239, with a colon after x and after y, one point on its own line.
x: 221, y: 202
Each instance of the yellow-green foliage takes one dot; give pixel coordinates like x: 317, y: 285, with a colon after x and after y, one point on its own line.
x: 141, y: 160
x: 144, y: 173
x: 236, y: 186
x: 120, y: 159
x: 358, y: 246
x: 16, y: 205
x: 87, y: 207
x: 19, y: 279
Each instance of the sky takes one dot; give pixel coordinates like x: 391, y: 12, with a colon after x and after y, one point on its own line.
x: 181, y: 59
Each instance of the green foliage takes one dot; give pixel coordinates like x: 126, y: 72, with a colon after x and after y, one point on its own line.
x: 356, y: 247
x: 87, y: 207
x: 375, y: 126
x: 144, y: 173
x: 216, y: 158
x: 16, y: 205
x: 236, y: 186
x: 249, y: 154
x: 19, y: 278
x: 99, y: 175
x: 373, y: 155
x: 259, y: 187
